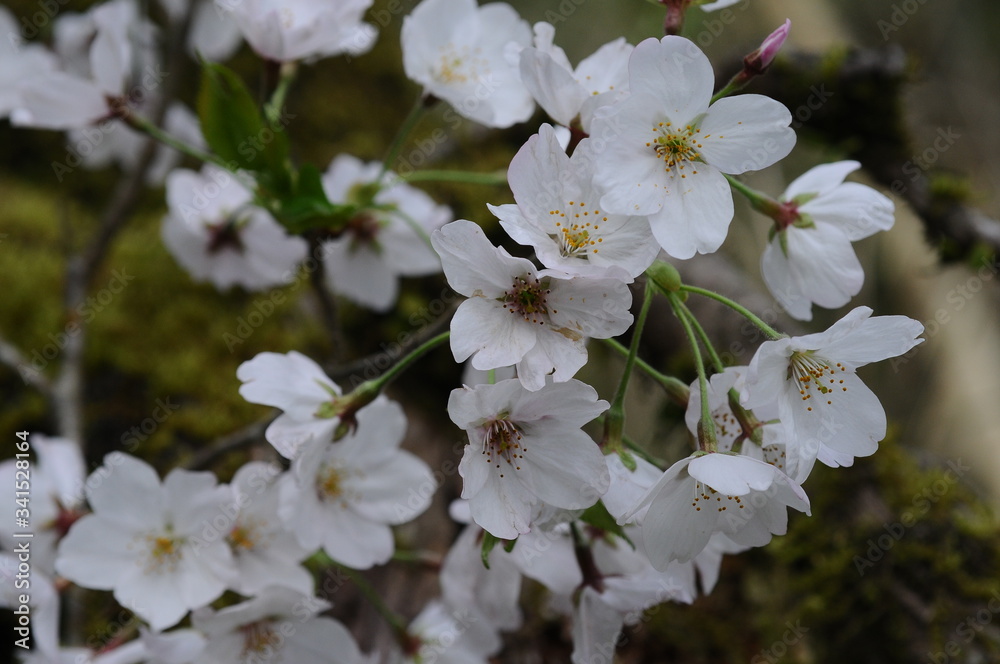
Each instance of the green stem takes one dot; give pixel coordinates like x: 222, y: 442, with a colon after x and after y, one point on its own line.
x: 707, y: 440
x: 614, y: 424
x: 739, y: 308
x: 411, y: 121
x: 396, y: 621
x: 273, y: 108
x: 758, y: 199
x: 416, y: 227
x: 495, y: 178
x: 147, y: 127
x: 675, y: 388
x: 376, y: 385
x: 705, y: 341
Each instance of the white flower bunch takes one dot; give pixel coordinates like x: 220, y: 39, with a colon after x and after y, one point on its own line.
x: 640, y: 165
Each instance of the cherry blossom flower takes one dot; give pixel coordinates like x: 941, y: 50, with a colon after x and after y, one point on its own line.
x: 821, y: 399
x: 213, y: 34
x: 18, y: 62
x: 286, y: 30
x: 665, y: 149
x: 558, y: 213
x: 218, y: 235
x: 569, y: 94
x: 527, y: 448
x: 456, y: 51
x: 810, y: 258
x: 142, y: 541
x: 379, y: 245
x: 56, y: 99
x: 517, y: 315
x: 264, y: 551
x: 451, y: 636
x: 311, y: 401
x: 278, y: 625
x: 56, y: 496
x: 493, y: 592
x: 703, y: 494
x: 344, y: 496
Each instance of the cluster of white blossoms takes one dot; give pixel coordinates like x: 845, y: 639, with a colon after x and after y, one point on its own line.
x: 638, y: 165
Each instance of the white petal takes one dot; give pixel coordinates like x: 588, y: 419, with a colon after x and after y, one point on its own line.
x: 696, y: 213
x: 495, y: 337
x: 820, y: 180
x: 674, y: 71
x: 746, y: 133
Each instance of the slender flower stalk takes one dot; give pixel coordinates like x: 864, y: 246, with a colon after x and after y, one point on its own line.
x: 735, y: 306
x: 614, y: 422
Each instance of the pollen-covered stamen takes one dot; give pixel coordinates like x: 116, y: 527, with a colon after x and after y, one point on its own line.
x: 502, y: 442
x: 258, y: 638
x: 163, y: 552
x: 526, y: 298
x: 461, y: 65
x: 333, y: 486
x: 246, y: 535
x: 705, y: 497
x: 678, y: 147
x: 577, y: 230
x: 816, y: 378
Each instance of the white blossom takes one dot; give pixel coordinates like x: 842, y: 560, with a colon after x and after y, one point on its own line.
x: 558, y: 212
x: 143, y: 540
x: 380, y: 244
x: 810, y: 259
x: 516, y: 315
x: 286, y: 30
x: 218, y: 235
x: 527, y: 448
x: 344, y: 496
x: 821, y: 400
x: 666, y: 148
x: 456, y: 51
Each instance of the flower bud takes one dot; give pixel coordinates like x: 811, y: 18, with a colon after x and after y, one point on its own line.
x: 758, y: 61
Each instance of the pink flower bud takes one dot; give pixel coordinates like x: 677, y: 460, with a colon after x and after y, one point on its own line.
x: 761, y: 59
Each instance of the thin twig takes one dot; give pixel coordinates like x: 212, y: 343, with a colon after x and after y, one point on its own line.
x: 232, y: 442
x: 12, y: 357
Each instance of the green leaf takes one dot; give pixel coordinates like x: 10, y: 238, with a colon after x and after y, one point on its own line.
x: 489, y: 541
x: 235, y: 130
x: 597, y: 515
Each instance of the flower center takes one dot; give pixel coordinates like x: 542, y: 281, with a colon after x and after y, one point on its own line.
x: 677, y: 146
x: 245, y: 535
x: 225, y: 235
x: 526, y: 298
x: 163, y: 552
x: 333, y: 487
x: 502, y: 441
x: 815, y: 376
x: 574, y: 232
x: 259, y: 638
x: 461, y: 65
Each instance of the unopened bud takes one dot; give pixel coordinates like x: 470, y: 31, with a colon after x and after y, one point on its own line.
x: 761, y: 59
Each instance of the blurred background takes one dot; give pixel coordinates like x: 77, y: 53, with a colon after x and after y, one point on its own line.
x: 909, y: 88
